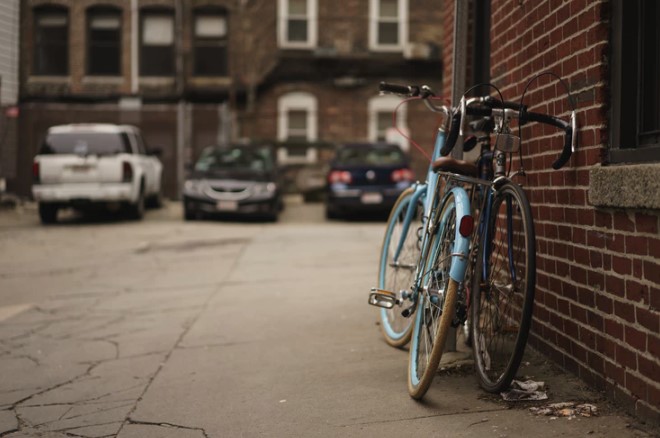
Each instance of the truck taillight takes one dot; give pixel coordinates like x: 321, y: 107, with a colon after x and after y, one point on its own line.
x: 36, y: 177
x: 126, y: 172
x: 404, y: 174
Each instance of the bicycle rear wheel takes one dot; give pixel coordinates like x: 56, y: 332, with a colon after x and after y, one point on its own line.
x: 503, y: 289
x: 436, y: 305
x: 398, y: 277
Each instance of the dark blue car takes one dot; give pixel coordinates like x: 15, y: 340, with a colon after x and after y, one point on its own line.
x: 366, y: 177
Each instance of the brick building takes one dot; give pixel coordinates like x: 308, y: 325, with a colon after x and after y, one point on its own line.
x: 198, y: 72
x: 597, y: 308
x: 9, y: 18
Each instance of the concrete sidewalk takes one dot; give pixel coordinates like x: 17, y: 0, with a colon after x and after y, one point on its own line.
x: 214, y: 329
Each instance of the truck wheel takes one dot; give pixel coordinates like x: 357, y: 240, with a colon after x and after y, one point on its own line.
x: 136, y: 210
x: 47, y: 213
x: 155, y: 200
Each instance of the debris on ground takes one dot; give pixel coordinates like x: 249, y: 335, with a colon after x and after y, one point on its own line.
x: 569, y: 410
x: 528, y: 390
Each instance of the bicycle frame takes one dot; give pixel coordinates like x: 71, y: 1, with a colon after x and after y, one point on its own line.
x: 421, y: 190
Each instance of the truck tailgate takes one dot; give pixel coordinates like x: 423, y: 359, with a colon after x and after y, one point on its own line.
x: 61, y: 169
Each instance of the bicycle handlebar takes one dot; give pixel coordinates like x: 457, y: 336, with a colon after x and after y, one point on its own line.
x: 423, y: 91
x: 491, y: 106
x: 488, y: 106
x: 455, y: 128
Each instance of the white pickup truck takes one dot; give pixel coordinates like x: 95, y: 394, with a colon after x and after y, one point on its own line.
x: 87, y: 165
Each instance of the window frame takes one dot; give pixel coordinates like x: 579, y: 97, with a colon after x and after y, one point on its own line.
x: 297, y: 101
x: 382, y: 104
x: 38, y: 46
x: 145, y: 13
x: 626, y: 90
x: 375, y: 20
x: 103, y: 9
x: 283, y: 26
x: 221, y: 42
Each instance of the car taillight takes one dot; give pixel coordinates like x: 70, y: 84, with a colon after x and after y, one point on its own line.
x: 35, y: 172
x: 405, y: 174
x: 340, y: 176
x: 126, y: 172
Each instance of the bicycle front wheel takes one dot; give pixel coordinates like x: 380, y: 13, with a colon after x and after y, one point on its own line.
x: 436, y: 305
x: 396, y: 275
x: 503, y: 289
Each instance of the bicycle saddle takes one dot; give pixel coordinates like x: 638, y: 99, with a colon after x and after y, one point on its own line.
x: 449, y: 164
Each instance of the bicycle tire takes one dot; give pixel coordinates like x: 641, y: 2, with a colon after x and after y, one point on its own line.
x: 433, y: 319
x: 396, y: 328
x: 503, y: 301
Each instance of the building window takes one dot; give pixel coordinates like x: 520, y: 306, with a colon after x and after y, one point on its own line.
x: 380, y: 127
x: 157, y: 43
x: 210, y: 43
x: 388, y: 24
x: 297, y: 23
x: 297, y: 124
x: 635, y: 116
x: 103, y: 42
x: 51, y: 41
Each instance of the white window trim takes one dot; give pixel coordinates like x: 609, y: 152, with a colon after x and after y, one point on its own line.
x: 282, y: 22
x: 303, y: 102
x: 374, y: 13
x: 388, y: 103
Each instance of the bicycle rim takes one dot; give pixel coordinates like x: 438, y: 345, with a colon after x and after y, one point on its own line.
x: 503, y: 296
x: 435, y: 308
x: 396, y: 329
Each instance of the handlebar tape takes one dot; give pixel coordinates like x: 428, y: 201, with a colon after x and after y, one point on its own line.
x: 558, y: 123
x: 406, y: 90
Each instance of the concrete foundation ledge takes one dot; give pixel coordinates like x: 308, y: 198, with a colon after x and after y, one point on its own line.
x: 625, y: 186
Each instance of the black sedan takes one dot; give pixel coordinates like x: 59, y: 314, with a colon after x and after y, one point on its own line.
x: 237, y: 180
x: 366, y: 177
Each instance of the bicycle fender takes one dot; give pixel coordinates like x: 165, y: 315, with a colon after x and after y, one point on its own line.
x: 459, y: 261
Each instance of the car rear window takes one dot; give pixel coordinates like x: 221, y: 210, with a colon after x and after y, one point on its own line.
x: 86, y: 143
x: 381, y: 156
x: 257, y: 159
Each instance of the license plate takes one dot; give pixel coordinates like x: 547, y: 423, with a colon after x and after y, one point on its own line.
x: 227, y: 205
x: 80, y: 167
x: 372, y: 198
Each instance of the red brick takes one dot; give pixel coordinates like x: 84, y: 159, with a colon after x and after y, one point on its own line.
x: 635, y: 338
x: 652, y: 271
x: 653, y: 345
x: 622, y: 265
x: 636, y: 386
x: 637, y: 292
x: 625, y: 311
x: 648, y: 319
x: 646, y: 223
x: 637, y: 245
x: 603, y: 219
x: 626, y: 357
x: 604, y: 303
x: 614, y: 328
x: 616, y: 285
x: 615, y: 372
x: 596, y: 362
x: 605, y: 346
x: 654, y: 248
x: 623, y: 223
x: 648, y: 367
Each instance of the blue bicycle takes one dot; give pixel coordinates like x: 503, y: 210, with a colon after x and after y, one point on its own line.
x: 424, y: 257
x: 500, y: 257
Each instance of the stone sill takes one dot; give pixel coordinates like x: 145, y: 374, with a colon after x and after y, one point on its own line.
x: 625, y: 186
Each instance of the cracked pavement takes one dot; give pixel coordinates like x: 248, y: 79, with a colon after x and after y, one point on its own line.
x: 163, y: 328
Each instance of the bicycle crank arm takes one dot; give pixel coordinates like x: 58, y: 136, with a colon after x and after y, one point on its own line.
x: 402, y: 266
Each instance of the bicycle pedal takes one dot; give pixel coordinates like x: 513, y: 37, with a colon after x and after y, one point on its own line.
x: 382, y: 298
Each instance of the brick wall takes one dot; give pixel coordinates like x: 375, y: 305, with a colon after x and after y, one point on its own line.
x: 598, y: 270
